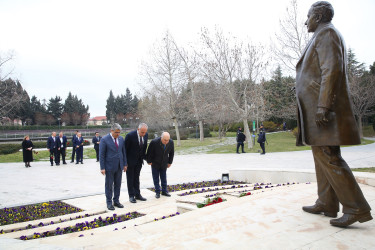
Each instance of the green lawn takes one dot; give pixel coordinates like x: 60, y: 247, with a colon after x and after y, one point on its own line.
x: 370, y: 170
x: 277, y: 142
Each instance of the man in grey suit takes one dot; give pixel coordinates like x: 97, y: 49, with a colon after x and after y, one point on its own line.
x: 112, y: 163
x: 326, y: 120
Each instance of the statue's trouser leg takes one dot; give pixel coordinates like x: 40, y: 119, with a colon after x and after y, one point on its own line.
x: 336, y: 182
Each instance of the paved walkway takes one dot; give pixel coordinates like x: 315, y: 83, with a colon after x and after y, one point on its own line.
x: 41, y: 182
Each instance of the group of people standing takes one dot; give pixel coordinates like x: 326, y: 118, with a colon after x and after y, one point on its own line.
x: 56, y: 146
x: 118, y: 155
x: 241, y: 138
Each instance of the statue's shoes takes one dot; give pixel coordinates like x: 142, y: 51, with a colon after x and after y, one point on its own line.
x: 318, y: 209
x: 348, y: 219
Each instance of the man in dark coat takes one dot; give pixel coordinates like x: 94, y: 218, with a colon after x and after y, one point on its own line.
x: 326, y: 120
x: 96, y: 141
x: 61, y: 142
x: 78, y: 145
x: 135, y: 146
x: 112, y: 164
x: 52, y: 145
x: 73, y: 148
x: 241, y: 138
x: 160, y: 155
x: 262, y: 139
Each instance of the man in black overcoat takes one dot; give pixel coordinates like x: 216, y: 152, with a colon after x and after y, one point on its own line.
x: 135, y: 146
x: 160, y: 155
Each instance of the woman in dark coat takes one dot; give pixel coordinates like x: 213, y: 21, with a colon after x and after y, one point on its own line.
x: 27, y: 150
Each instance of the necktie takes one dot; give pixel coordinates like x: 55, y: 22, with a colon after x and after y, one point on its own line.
x: 116, y: 143
x: 140, y: 142
x: 164, y: 147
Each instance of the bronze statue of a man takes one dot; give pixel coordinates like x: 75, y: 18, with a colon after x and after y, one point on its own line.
x: 326, y: 120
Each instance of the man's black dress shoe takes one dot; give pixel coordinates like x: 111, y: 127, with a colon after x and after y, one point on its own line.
x: 141, y: 198
x: 76, y: 163
x: 81, y: 162
x: 318, y: 209
x: 165, y: 194
x: 72, y: 162
x: 64, y: 163
x: 132, y: 200
x: 119, y: 205
x: 348, y: 219
x: 110, y: 207
x: 157, y: 195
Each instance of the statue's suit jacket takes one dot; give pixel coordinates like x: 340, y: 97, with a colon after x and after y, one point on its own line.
x: 321, y: 81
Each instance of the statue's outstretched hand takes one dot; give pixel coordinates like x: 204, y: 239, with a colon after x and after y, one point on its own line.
x: 321, y: 117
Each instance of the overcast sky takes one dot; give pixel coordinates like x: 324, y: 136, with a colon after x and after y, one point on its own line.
x: 89, y: 47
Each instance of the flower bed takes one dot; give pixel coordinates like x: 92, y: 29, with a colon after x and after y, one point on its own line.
x: 35, y: 212
x: 169, y: 216
x: 210, y: 201
x: 97, y: 222
x: 193, y: 185
x: 41, y: 224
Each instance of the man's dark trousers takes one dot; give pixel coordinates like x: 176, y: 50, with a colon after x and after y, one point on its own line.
x: 132, y: 176
x: 54, y: 153
x: 73, y: 153
x: 63, y: 153
x: 262, y: 146
x: 113, y: 185
x: 162, y: 173
x: 238, y: 146
x: 97, y: 153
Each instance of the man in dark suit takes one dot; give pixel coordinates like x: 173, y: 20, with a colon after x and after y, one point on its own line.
x: 73, y: 148
x: 241, y: 138
x: 96, y: 141
x: 262, y: 139
x: 112, y: 163
x: 78, y: 145
x: 160, y: 155
x: 62, y: 141
x: 326, y: 120
x: 135, y: 144
x: 52, y: 146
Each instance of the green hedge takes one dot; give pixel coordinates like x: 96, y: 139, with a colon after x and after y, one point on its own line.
x: 9, y: 148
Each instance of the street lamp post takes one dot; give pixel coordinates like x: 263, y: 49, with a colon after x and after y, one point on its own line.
x: 59, y: 121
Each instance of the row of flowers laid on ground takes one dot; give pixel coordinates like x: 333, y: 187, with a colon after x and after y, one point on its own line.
x: 35, y: 212
x: 210, y: 201
x: 165, y: 217
x: 202, y: 184
x: 97, y: 222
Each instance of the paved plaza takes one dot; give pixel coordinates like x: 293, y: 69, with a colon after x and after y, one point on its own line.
x: 272, y: 219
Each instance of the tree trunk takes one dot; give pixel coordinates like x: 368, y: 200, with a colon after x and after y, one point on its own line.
x: 201, y: 133
x: 360, y: 130
x: 177, y: 132
x: 247, y: 133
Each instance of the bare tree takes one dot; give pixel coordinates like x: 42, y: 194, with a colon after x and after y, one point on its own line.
x: 235, y: 66
x: 190, y: 72
x: 11, y: 95
x: 363, y: 96
x: 161, y: 72
x: 75, y: 118
x: 291, y: 39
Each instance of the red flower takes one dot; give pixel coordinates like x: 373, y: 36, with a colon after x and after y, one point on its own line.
x: 219, y: 199
x: 248, y: 193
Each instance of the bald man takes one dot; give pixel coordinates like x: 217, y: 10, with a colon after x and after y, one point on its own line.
x: 160, y: 155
